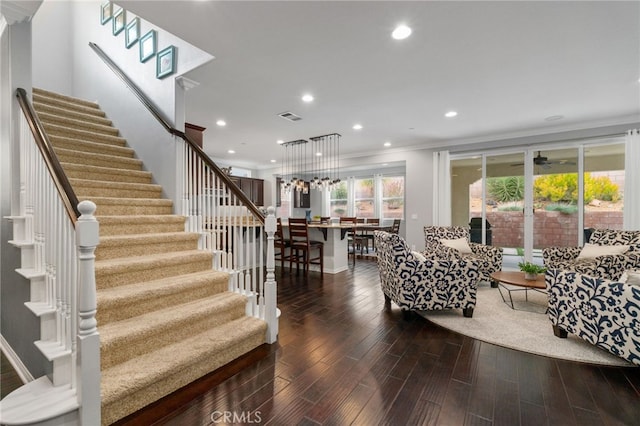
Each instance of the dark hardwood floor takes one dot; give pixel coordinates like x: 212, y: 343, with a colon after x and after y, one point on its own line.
x: 342, y: 358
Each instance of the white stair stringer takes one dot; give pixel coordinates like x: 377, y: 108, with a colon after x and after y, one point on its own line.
x: 57, y: 405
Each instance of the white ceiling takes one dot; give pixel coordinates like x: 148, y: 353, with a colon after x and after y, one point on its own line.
x: 504, y: 66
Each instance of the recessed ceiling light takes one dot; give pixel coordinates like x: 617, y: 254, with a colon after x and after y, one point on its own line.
x: 387, y: 144
x: 273, y: 161
x: 221, y: 123
x: 231, y: 151
x: 554, y: 118
x: 451, y: 114
x: 279, y: 141
x: 318, y: 154
x: 357, y: 127
x: 307, y: 98
x: 401, y: 32
x: 385, y: 164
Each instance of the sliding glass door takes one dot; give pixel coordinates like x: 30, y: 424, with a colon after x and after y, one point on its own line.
x: 527, y: 200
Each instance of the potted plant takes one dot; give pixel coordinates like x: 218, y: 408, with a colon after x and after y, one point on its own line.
x: 531, y: 270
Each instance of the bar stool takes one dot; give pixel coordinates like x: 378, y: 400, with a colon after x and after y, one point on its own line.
x: 302, y: 247
x: 280, y: 245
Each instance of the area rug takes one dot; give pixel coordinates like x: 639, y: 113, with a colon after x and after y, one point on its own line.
x: 525, y: 329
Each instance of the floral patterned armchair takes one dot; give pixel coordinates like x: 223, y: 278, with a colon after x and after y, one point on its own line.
x: 489, y: 258
x: 603, y: 312
x: 414, y: 282
x: 608, y: 266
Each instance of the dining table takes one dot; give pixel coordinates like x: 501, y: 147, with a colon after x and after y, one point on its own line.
x: 336, y: 252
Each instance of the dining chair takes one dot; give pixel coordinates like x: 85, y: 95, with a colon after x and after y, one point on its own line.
x: 352, y: 238
x: 302, y: 247
x: 325, y: 219
x: 281, y: 245
x: 395, y: 227
x: 368, y: 233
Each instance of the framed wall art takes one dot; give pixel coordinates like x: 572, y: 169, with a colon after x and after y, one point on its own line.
x: 132, y: 32
x: 119, y: 18
x: 106, y: 12
x: 166, y: 62
x: 147, y: 46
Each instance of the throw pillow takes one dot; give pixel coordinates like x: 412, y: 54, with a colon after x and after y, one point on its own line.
x: 419, y: 256
x: 589, y: 251
x: 633, y: 277
x: 459, y: 244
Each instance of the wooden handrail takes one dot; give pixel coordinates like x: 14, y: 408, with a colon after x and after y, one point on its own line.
x: 60, y: 180
x: 235, y: 189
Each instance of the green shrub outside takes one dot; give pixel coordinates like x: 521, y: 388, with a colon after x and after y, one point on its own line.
x: 504, y: 189
x: 562, y: 208
x: 557, y: 188
x: 564, y: 188
x: 511, y: 208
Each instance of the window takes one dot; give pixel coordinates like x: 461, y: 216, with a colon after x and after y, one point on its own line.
x: 364, y: 198
x: 338, y: 200
x: 393, y: 197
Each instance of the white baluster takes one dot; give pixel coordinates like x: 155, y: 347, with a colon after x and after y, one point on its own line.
x: 270, y: 289
x: 87, y: 238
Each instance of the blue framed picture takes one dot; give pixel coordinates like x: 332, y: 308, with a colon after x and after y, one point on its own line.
x: 118, y: 21
x: 147, y: 46
x: 106, y: 12
x: 166, y: 62
x: 132, y: 32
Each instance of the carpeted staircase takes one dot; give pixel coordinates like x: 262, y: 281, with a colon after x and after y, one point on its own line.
x: 165, y: 318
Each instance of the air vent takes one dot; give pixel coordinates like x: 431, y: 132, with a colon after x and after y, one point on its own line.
x: 289, y: 116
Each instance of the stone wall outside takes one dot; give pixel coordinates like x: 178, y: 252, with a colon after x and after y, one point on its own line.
x: 551, y: 228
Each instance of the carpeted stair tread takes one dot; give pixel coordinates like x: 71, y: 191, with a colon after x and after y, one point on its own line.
x: 110, y: 206
x: 54, y: 109
x: 122, y: 271
x: 122, y: 302
x: 96, y: 188
x: 76, y: 124
x: 91, y: 147
x: 57, y: 97
x: 165, y: 317
x: 84, y: 171
x: 101, y: 160
x: 58, y: 130
x: 139, y: 224
x: 129, y: 386
x: 133, y: 337
x: 114, y: 246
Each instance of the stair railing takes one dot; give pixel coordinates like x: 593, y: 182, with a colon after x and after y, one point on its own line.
x: 63, y: 234
x: 229, y: 223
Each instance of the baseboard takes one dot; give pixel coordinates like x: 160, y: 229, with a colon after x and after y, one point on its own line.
x: 15, y: 361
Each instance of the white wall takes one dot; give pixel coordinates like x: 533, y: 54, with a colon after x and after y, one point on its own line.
x: 53, y: 47
x: 91, y: 79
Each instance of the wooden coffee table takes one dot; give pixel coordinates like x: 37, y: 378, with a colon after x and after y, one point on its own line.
x: 514, y: 281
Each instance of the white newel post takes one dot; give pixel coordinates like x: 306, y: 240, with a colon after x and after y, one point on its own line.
x: 88, y: 362
x: 270, y: 290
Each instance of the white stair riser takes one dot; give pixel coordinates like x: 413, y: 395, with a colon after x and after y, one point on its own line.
x: 27, y: 257
x: 18, y: 228
x: 48, y: 327
x: 37, y: 289
x: 62, y: 371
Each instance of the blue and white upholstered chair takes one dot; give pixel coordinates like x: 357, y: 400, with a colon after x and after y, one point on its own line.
x: 608, y: 266
x: 414, y: 282
x: 488, y: 258
x: 605, y: 313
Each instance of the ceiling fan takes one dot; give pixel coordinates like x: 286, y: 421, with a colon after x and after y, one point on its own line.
x: 540, y: 160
